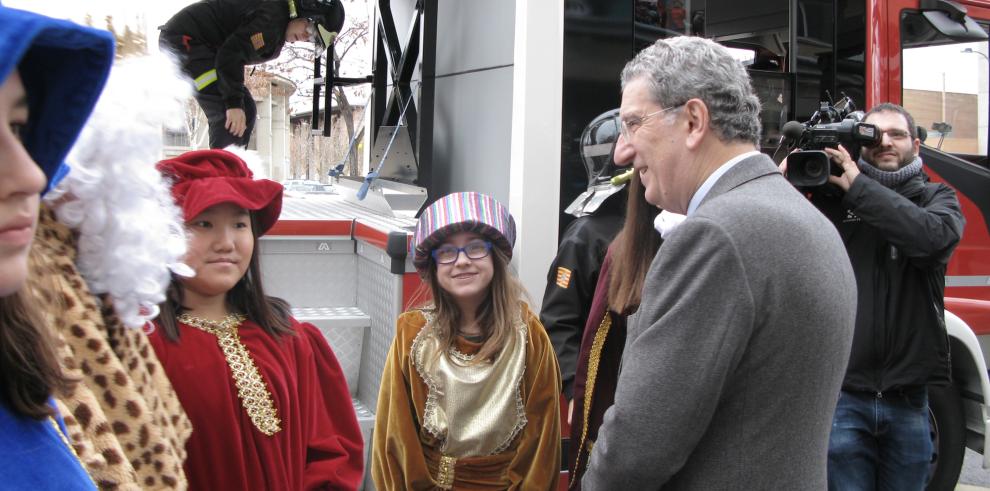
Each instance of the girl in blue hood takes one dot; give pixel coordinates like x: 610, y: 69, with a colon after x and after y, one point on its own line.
x: 51, y: 73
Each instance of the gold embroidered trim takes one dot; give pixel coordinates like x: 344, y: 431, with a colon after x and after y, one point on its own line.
x: 521, y: 420
x: 456, y: 353
x: 251, y: 387
x: 72, y: 449
x: 445, y: 472
x: 594, y: 358
x: 433, y: 391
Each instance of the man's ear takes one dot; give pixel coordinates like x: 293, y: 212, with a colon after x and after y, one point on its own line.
x: 697, y: 118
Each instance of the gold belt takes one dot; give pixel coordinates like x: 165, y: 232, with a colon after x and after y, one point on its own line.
x: 445, y: 472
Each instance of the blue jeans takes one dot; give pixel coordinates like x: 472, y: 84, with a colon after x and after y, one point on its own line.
x: 880, y: 442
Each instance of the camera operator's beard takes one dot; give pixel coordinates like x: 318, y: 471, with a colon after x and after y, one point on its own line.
x: 888, y: 159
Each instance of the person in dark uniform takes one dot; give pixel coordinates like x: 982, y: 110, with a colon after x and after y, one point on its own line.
x: 574, y: 272
x: 215, y: 39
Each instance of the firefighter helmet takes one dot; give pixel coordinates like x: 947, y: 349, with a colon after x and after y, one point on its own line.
x: 598, y: 144
x: 597, y: 148
x: 327, y: 17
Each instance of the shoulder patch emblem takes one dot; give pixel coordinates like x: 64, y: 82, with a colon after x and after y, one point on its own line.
x: 258, y: 40
x: 563, y: 277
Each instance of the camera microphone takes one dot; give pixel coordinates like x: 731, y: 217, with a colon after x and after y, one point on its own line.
x: 793, y: 130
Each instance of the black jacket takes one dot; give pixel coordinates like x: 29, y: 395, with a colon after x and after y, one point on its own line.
x: 571, y: 281
x: 227, y: 35
x: 899, y: 242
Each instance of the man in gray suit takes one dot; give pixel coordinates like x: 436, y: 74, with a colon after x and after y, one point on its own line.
x: 733, y: 362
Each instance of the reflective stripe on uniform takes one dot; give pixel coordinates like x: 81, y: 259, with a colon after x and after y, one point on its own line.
x: 968, y: 280
x: 203, y: 81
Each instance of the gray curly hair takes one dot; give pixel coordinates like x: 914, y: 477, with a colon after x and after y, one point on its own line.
x: 682, y: 68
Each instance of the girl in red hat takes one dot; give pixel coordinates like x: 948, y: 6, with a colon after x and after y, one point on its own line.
x: 267, y: 399
x: 469, y: 395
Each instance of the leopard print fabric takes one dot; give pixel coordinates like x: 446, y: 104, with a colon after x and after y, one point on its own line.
x: 123, y: 416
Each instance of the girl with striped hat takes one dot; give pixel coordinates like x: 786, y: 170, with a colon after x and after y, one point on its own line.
x: 469, y: 394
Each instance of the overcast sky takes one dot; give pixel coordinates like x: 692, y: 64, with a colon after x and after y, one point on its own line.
x: 152, y: 13
x: 147, y: 15
x: 926, y: 68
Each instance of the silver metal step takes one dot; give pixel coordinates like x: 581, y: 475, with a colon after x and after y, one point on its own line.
x: 366, y: 420
x: 343, y: 328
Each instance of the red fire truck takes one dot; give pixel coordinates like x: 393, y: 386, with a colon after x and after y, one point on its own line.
x: 344, y: 264
x: 908, y: 42
x: 929, y: 55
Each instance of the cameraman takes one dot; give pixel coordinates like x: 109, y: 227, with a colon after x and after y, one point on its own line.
x: 900, y: 230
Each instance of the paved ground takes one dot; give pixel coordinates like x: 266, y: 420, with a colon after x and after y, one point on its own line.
x: 973, y: 476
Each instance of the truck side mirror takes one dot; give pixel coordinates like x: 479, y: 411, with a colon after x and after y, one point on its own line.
x: 950, y: 19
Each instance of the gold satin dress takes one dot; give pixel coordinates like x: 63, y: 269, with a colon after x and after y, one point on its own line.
x: 443, y: 423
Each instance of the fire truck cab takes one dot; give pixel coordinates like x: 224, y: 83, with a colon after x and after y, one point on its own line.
x: 931, y: 56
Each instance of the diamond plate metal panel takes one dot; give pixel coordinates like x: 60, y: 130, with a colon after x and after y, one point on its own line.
x: 310, y: 280
x: 336, y: 207
x: 340, y: 316
x: 346, y: 345
x: 366, y: 420
x: 379, y: 297
x: 343, y: 328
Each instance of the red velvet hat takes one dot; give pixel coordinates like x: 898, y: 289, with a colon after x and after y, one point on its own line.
x: 204, y: 178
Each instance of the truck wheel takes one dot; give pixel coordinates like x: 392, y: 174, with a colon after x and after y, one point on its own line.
x: 948, y: 429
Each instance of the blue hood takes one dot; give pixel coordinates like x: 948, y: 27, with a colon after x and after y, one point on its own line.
x: 63, y: 67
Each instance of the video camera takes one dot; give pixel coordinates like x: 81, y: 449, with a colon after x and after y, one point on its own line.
x: 828, y: 127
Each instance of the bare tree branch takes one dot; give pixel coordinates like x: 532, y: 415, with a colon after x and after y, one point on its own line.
x: 313, y: 156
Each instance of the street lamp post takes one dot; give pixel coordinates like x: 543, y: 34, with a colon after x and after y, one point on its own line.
x: 970, y: 50
x: 981, y: 94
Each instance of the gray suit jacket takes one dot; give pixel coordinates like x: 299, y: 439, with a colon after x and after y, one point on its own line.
x: 733, y: 363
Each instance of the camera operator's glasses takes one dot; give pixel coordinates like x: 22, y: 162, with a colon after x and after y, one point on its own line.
x: 627, y: 128
x: 894, y: 134
x: 476, y: 249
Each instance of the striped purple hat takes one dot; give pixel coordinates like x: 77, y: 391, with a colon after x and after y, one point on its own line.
x: 462, y: 212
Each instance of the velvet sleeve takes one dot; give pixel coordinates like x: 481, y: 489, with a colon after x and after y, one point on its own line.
x: 334, y: 449
x: 397, y: 460
x: 536, y: 464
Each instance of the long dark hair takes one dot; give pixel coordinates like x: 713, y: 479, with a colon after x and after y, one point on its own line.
x: 496, y: 316
x: 246, y: 297
x: 632, y: 251
x: 29, y: 368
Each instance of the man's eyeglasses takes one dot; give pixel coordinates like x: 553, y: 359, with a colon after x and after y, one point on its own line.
x: 627, y: 128
x: 476, y: 249
x: 894, y: 134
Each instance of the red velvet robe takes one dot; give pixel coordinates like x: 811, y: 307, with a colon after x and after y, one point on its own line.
x: 319, y: 445
x: 607, y: 362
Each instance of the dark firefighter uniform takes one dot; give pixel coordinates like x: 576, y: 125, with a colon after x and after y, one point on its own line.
x: 214, y: 40
x: 571, y: 282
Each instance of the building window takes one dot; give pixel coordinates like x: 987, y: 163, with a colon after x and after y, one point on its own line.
x: 175, y: 138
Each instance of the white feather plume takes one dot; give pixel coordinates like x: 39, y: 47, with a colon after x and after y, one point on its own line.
x: 252, y: 159
x: 131, y: 233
